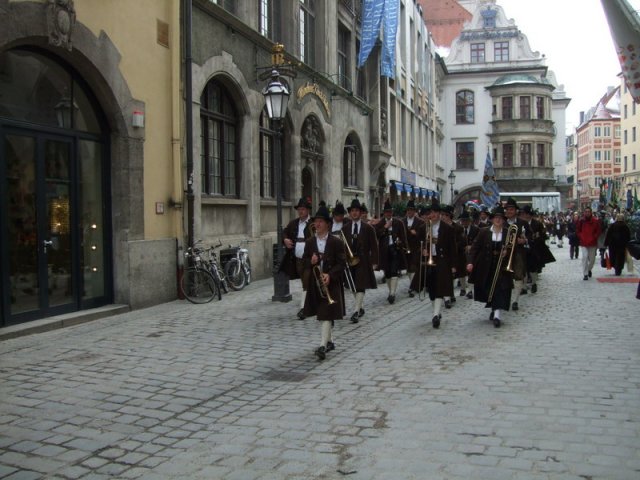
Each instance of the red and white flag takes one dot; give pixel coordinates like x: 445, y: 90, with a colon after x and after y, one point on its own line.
x: 625, y: 32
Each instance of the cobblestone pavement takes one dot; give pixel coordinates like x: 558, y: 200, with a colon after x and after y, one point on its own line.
x: 232, y: 390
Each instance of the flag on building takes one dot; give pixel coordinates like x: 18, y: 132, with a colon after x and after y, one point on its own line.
x: 636, y: 202
x: 388, y: 65
x: 489, y: 193
x: 372, y: 11
x: 624, y: 25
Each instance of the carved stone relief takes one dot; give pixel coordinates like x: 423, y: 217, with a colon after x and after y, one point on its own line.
x: 61, y: 17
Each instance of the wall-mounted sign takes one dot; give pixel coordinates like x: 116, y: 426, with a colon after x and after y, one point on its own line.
x: 314, y: 88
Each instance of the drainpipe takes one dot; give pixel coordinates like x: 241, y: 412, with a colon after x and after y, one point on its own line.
x: 188, y: 82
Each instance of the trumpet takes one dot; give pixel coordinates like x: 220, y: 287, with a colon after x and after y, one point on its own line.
x: 509, y: 244
x: 428, y: 243
x: 322, y: 287
x: 352, y: 260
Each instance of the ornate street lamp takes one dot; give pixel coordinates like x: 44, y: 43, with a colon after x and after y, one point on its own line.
x: 276, y: 95
x: 452, y: 180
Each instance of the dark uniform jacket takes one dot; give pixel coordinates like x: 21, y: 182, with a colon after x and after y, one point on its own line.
x: 446, y: 258
x: 538, y: 254
x: 468, y: 239
x: 366, y: 249
x: 461, y: 263
x: 288, y: 264
x: 399, y: 239
x: 413, y: 240
x: 333, y: 263
x: 481, y: 258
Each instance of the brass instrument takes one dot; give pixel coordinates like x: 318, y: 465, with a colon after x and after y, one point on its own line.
x: 322, y: 287
x: 352, y: 260
x: 509, y: 243
x: 428, y: 243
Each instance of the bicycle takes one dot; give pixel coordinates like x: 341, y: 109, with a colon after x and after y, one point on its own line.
x: 197, y: 283
x: 237, y: 266
x: 204, y: 279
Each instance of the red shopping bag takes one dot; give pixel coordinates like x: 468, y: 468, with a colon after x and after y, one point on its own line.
x: 607, y: 260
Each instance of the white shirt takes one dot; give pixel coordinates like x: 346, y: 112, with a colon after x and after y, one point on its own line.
x: 434, y: 235
x: 300, y: 245
x: 410, y: 221
x: 496, y: 236
x: 390, y: 230
x: 322, y: 244
x: 336, y: 227
x: 358, y: 223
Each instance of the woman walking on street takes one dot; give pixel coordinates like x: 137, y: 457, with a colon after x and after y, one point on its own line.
x: 617, y: 237
x: 574, y: 243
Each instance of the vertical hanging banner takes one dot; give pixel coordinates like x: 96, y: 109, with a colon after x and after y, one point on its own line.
x: 388, y: 65
x: 489, y: 192
x: 625, y: 32
x: 372, y: 11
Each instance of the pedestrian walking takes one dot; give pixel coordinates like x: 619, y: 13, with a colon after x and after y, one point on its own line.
x: 392, y: 242
x: 492, y: 283
x: 324, y: 261
x: 412, y: 222
x: 574, y: 243
x: 616, y: 239
x: 588, y: 230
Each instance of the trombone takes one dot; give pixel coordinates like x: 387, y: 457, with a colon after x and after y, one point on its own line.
x: 428, y: 243
x: 510, y: 243
x: 352, y: 260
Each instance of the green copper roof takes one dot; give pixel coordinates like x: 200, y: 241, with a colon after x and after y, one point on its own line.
x: 520, y: 78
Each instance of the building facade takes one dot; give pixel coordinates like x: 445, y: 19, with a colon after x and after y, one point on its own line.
x: 500, y: 99
x: 90, y: 155
x: 598, y: 150
x: 629, y: 154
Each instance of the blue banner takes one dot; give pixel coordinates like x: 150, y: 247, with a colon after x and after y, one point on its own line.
x: 371, y: 18
x: 489, y: 193
x: 388, y: 66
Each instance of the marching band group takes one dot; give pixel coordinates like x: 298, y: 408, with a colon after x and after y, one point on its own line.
x: 494, y: 251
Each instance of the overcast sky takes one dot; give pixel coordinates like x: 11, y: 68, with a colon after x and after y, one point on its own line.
x: 574, y: 35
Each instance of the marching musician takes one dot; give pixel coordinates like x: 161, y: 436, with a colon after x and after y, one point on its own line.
x: 520, y: 254
x: 538, y: 253
x: 435, y: 279
x: 469, y: 234
x: 483, y: 221
x: 487, y: 250
x: 412, y: 223
x: 447, y: 217
x: 295, y: 234
x: 392, y: 242
x: 324, y: 262
x: 339, y: 219
x: 361, y: 238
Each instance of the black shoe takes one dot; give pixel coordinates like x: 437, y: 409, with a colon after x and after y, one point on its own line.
x: 411, y: 294
x: 534, y: 288
x: 321, y: 353
x: 301, y: 314
x: 361, y: 312
x: 469, y: 294
x: 514, y: 306
x: 354, y: 318
x: 453, y: 300
x: 524, y: 291
x: 463, y: 292
x: 391, y: 299
x: 496, y: 322
x: 491, y: 315
x: 585, y: 277
x: 447, y: 304
x: 435, y: 321
x: 589, y: 273
x: 330, y: 346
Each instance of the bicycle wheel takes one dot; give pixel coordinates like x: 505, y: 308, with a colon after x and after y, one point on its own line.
x: 198, y: 286
x: 235, y: 274
x: 247, y: 273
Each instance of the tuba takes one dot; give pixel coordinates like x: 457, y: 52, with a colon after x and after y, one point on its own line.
x: 509, y: 244
x: 324, y: 290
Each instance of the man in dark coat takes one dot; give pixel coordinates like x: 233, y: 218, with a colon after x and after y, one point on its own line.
x: 538, y: 253
x: 520, y: 254
x: 412, y: 223
x: 339, y: 218
x: 446, y: 215
x: 488, y: 258
x: 361, y: 238
x: 436, y: 279
x: 469, y: 234
x: 324, y: 260
x: 617, y: 238
x: 392, y: 242
x: 295, y: 234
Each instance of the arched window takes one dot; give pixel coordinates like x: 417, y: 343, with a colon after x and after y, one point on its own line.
x: 464, y: 107
x: 219, y: 143
x: 350, y: 164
